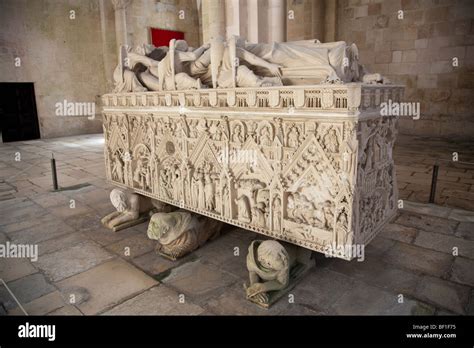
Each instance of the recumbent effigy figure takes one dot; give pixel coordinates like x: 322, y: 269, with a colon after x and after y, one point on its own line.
x: 180, y: 232
x: 236, y: 63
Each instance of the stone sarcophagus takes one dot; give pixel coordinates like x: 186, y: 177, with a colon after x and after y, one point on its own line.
x: 310, y: 165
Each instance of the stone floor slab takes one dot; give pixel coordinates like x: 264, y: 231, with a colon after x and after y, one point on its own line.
x: 69, y: 261
x: 132, y: 247
x: 463, y: 271
x: 446, y: 244
x: 419, y: 259
x: 84, y: 222
x: 105, y: 236
x: 159, y: 300
x: 233, y: 302
x: 41, y: 232
x: 66, y: 310
x: 399, y: 232
x: 321, y: 288
x: 378, y: 273
x: 107, y: 285
x: 42, y: 305
x: 364, y: 299
x: 25, y: 289
x: 65, y: 211
x: 201, y: 281
x: 14, y: 268
x: 427, y: 223
x: 61, y: 242
x: 466, y: 230
x: 444, y: 294
x: 426, y: 209
x: 155, y: 264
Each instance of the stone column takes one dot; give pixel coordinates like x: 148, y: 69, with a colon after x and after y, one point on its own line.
x: 252, y: 21
x: 120, y: 22
x: 317, y: 17
x: 330, y: 22
x: 216, y: 15
x: 232, y: 17
x: 276, y: 20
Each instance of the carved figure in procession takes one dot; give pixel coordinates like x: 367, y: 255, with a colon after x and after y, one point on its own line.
x: 259, y: 214
x: 117, y: 168
x: 227, y: 211
x: 328, y: 214
x: 276, y: 214
x: 293, y: 137
x: 177, y: 187
x: 209, y: 192
x: 330, y: 141
x: 265, y: 137
x: 252, y: 130
x: 341, y: 229
x: 201, y: 193
x: 237, y: 134
x: 142, y: 174
x: 166, y: 182
x: 243, y: 208
x: 195, y: 188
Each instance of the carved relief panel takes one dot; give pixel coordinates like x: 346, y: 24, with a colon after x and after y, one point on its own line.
x: 312, y: 181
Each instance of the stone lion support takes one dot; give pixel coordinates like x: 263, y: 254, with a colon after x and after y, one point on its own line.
x: 131, y: 210
x: 181, y: 232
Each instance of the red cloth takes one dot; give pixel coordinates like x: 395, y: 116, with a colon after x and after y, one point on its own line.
x: 162, y: 37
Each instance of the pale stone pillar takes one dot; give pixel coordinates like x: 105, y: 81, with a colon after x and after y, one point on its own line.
x: 120, y: 22
x: 330, y: 20
x: 232, y: 17
x: 252, y: 21
x: 317, y: 17
x: 216, y: 18
x: 276, y: 20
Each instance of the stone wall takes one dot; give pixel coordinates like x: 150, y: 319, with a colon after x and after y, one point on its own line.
x: 418, y: 51
x: 162, y: 14
x: 300, y: 26
x: 63, y: 57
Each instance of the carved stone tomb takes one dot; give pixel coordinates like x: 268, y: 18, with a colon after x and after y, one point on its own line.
x: 309, y: 165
